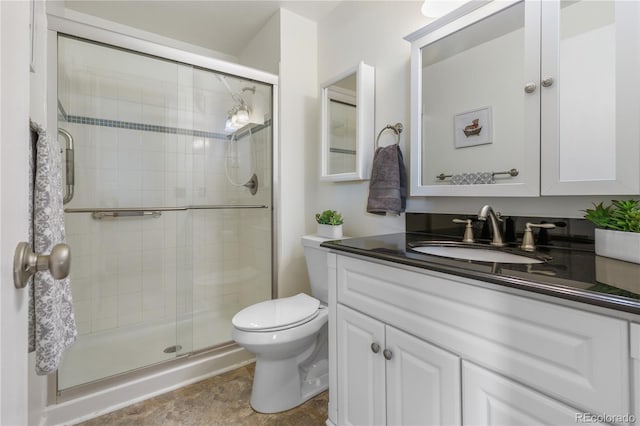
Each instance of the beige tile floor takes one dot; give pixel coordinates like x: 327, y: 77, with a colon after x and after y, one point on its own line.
x: 218, y: 401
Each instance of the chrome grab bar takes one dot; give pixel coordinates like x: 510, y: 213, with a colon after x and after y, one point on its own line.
x: 155, y: 211
x: 69, y: 166
x: 125, y: 213
x: 124, y: 210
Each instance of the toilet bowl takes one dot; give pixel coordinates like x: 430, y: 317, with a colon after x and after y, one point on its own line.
x: 289, y: 339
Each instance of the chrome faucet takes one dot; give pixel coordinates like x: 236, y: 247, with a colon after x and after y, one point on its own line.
x: 494, y: 222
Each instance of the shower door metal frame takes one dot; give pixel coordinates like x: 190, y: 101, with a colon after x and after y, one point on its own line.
x: 63, y: 22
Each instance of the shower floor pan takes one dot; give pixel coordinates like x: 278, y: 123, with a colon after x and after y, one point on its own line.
x: 108, y: 353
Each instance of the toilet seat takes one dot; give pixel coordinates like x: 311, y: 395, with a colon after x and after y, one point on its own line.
x: 277, y: 314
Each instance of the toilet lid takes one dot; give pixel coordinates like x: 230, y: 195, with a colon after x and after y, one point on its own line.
x: 278, y: 313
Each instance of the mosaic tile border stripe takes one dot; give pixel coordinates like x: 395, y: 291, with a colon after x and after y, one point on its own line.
x: 153, y: 128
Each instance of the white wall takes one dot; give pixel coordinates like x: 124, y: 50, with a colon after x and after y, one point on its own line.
x: 372, y: 32
x: 263, y: 51
x: 298, y: 135
x: 287, y: 45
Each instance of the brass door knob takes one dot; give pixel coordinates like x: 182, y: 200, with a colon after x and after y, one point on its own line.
x: 26, y: 263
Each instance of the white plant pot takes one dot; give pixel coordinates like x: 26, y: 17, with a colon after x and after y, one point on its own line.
x: 330, y: 231
x: 618, y: 245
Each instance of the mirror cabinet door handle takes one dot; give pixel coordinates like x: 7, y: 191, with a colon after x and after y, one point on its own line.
x: 375, y: 348
x: 530, y: 87
x: 547, y: 82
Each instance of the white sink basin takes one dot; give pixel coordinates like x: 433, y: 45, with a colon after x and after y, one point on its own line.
x: 476, y: 253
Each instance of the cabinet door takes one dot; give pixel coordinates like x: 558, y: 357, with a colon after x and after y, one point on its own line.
x: 590, y: 98
x: 423, y: 382
x: 361, y: 379
x: 491, y: 400
x: 475, y: 103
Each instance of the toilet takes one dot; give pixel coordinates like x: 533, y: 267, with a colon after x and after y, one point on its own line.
x: 289, y: 339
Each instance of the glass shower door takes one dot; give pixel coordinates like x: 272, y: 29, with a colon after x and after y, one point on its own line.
x: 231, y: 202
x: 171, y: 219
x: 128, y: 244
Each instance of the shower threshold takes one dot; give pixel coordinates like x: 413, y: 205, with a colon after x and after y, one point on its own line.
x: 119, y: 379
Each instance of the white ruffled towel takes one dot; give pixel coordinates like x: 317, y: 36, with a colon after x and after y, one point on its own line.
x: 52, y: 326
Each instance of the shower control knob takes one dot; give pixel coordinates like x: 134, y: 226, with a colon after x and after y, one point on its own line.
x: 26, y: 263
x: 375, y: 348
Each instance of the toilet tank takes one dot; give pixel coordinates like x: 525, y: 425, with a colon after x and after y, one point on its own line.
x: 316, y: 258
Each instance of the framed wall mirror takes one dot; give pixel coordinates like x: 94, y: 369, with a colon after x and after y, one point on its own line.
x: 474, y: 130
x: 347, y: 124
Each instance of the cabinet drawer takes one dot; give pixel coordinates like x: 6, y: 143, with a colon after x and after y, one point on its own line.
x: 491, y: 400
x: 577, y: 356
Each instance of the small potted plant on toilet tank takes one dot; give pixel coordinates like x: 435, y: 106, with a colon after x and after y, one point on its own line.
x: 617, y: 229
x: 329, y: 224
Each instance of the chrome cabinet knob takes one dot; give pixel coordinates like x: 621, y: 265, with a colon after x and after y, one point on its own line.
x: 26, y: 263
x: 375, y: 348
x: 387, y: 354
x: 530, y: 87
x: 547, y: 82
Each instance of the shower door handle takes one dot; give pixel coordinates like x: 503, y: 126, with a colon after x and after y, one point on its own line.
x: 26, y: 263
x: 70, y: 175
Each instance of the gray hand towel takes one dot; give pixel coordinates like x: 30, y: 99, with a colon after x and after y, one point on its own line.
x: 388, y: 184
x: 52, y: 327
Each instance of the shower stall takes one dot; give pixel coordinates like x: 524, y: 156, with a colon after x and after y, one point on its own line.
x: 169, y: 172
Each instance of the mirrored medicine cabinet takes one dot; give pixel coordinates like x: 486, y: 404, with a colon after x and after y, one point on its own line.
x: 527, y: 98
x: 347, y: 124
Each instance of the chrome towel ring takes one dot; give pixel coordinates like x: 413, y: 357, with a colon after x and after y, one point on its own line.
x: 397, y: 129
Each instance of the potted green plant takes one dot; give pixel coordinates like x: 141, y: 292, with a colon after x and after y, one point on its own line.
x: 329, y: 224
x: 617, y: 229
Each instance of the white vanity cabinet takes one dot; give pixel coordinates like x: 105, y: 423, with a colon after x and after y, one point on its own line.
x: 392, y: 377
x: 456, y: 344
x: 557, y: 84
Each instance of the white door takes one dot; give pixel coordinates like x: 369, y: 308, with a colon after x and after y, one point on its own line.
x: 14, y: 138
x: 361, y: 376
x: 423, y: 382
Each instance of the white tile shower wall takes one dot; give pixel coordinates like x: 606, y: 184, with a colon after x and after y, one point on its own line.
x: 136, y: 258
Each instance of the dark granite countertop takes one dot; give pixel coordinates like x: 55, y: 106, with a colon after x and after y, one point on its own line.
x: 574, y: 272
